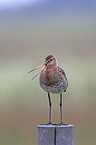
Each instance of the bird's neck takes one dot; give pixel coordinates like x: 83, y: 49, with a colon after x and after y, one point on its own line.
x: 51, y: 68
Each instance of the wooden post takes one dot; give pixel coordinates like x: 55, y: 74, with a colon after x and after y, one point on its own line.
x: 55, y: 135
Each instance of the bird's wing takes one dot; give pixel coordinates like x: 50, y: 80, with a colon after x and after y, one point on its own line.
x: 62, y: 71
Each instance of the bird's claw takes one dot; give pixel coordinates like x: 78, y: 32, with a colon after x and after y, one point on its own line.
x: 61, y: 123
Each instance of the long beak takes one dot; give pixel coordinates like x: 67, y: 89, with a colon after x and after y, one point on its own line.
x: 39, y: 72
x: 37, y: 67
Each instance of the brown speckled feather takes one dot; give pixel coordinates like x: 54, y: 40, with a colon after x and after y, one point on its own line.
x: 53, y: 80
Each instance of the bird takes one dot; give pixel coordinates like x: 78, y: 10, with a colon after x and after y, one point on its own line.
x: 52, y: 80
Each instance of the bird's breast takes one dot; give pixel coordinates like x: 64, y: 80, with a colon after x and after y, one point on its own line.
x: 48, y: 77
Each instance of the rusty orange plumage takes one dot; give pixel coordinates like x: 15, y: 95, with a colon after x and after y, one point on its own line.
x: 52, y: 80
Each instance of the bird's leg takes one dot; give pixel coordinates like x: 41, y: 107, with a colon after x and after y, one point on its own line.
x: 61, y: 123
x: 61, y: 107
x: 49, y: 108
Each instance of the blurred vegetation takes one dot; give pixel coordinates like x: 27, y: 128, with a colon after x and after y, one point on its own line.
x: 24, y: 44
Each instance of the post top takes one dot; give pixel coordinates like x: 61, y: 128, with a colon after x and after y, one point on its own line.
x: 55, y: 126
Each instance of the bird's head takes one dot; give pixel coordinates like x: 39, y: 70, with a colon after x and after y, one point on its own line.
x: 50, y: 62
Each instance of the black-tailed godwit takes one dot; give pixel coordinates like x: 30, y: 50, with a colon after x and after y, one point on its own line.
x: 52, y: 80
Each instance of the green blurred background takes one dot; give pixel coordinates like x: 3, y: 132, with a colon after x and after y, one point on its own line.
x: 28, y: 33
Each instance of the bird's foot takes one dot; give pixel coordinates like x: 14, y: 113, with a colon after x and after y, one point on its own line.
x: 48, y: 123
x: 61, y: 123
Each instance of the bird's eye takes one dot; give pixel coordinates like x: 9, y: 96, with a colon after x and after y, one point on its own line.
x: 50, y: 59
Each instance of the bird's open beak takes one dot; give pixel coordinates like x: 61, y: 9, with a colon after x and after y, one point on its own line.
x: 37, y: 68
